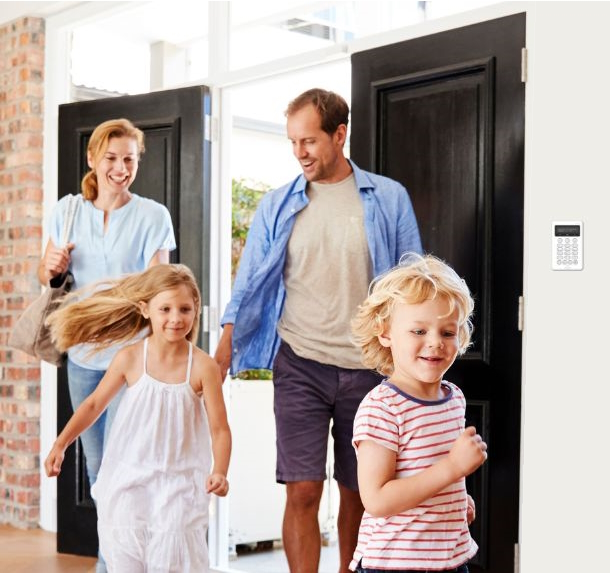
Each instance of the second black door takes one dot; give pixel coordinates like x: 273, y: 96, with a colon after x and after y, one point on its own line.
x: 444, y: 115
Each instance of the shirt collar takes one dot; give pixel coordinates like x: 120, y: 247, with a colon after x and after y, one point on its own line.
x: 363, y: 181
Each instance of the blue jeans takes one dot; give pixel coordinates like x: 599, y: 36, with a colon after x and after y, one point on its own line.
x: 81, y: 383
x: 460, y: 569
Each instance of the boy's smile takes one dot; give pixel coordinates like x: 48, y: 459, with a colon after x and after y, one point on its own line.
x: 423, y: 340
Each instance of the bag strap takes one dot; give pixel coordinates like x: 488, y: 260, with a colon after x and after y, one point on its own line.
x: 69, y: 220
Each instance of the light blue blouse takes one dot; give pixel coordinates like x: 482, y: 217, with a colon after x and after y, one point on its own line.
x: 135, y: 232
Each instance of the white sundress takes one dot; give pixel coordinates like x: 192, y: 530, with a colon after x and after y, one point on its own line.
x: 150, y: 492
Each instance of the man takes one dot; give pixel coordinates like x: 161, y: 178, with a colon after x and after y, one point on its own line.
x: 312, y: 250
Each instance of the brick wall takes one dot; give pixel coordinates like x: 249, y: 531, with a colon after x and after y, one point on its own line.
x: 21, y: 106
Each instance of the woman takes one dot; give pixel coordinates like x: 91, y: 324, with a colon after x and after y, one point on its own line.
x: 115, y: 232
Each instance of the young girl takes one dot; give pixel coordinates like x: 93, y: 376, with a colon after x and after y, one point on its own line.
x: 152, y: 491
x: 413, y: 451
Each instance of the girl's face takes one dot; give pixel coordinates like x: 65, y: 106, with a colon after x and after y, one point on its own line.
x: 424, y: 344
x: 117, y: 167
x: 171, y: 313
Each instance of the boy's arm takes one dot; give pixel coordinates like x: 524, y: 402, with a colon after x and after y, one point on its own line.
x: 87, y: 413
x: 383, y: 494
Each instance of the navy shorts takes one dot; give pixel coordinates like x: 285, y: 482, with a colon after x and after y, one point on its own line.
x: 307, y: 396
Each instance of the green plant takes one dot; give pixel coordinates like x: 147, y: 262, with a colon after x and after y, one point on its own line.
x: 246, y: 196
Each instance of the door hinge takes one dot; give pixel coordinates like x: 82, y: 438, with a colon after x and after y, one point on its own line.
x: 209, y: 318
x: 205, y: 318
x: 524, y: 65
x: 520, y: 314
x: 516, y: 556
x: 210, y: 128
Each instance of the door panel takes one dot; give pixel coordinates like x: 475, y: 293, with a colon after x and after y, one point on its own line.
x: 174, y: 170
x: 444, y: 115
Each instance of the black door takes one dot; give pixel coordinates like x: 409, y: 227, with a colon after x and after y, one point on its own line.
x: 444, y: 115
x: 174, y: 170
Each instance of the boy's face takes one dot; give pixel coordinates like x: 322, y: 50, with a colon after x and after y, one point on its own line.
x: 424, y: 344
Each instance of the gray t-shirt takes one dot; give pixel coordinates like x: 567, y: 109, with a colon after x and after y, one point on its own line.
x: 326, y: 274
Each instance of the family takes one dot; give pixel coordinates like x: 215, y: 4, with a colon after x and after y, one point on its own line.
x: 335, y: 295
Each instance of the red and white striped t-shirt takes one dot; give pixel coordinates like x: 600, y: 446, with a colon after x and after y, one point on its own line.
x: 433, y: 535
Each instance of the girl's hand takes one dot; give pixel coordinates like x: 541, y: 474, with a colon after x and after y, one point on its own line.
x: 468, y: 452
x: 470, y: 510
x: 52, y: 464
x: 218, y: 484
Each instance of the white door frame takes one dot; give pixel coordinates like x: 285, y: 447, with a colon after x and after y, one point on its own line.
x: 57, y: 91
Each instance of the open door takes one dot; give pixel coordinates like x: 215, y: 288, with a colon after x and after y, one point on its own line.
x: 444, y: 115
x: 175, y: 171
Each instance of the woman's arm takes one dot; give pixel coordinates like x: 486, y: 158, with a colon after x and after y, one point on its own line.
x: 383, y: 494
x: 219, y: 427
x: 88, y: 412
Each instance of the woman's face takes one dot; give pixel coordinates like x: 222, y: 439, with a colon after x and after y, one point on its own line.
x: 117, y: 166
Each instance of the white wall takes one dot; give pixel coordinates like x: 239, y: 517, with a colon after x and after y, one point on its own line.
x: 564, y: 501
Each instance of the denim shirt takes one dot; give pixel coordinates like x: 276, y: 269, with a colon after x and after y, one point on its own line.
x: 258, y: 293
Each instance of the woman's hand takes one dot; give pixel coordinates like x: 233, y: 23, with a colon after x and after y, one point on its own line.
x: 55, y: 262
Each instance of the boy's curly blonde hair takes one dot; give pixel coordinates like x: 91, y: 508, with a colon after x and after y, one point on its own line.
x: 416, y: 278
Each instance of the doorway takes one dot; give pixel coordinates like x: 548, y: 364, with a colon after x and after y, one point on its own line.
x: 174, y: 171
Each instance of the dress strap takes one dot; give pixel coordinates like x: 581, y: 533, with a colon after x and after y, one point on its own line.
x: 145, y: 354
x: 190, y: 363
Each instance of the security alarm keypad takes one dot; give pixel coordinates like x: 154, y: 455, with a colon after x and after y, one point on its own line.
x: 567, y: 246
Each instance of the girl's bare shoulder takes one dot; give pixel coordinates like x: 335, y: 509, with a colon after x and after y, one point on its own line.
x: 129, y: 360
x: 205, y: 369
x: 202, y: 360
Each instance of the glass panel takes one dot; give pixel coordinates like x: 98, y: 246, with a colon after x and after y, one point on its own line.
x: 260, y: 150
x: 113, y: 63
x: 283, y: 31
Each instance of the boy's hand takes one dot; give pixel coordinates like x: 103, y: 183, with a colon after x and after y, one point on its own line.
x: 218, y: 484
x: 470, y: 510
x: 468, y: 452
x: 52, y: 464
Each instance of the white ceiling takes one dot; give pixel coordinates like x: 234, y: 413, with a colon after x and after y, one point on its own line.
x: 175, y: 21
x: 10, y: 11
x: 150, y: 22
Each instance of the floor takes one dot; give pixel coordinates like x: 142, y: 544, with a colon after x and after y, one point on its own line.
x: 33, y: 551
x: 274, y: 560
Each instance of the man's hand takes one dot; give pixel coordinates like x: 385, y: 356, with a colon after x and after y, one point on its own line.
x: 224, y: 350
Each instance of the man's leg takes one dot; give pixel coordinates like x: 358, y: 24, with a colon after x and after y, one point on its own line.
x: 348, y: 523
x: 301, y: 529
x: 353, y: 386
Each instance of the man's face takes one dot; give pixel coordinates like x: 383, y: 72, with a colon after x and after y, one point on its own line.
x: 320, y: 154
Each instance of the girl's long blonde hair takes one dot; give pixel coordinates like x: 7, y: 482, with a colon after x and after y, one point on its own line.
x: 416, y: 279
x: 113, y: 314
x: 98, y: 144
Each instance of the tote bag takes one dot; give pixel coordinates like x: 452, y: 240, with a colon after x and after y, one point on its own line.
x: 30, y: 333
